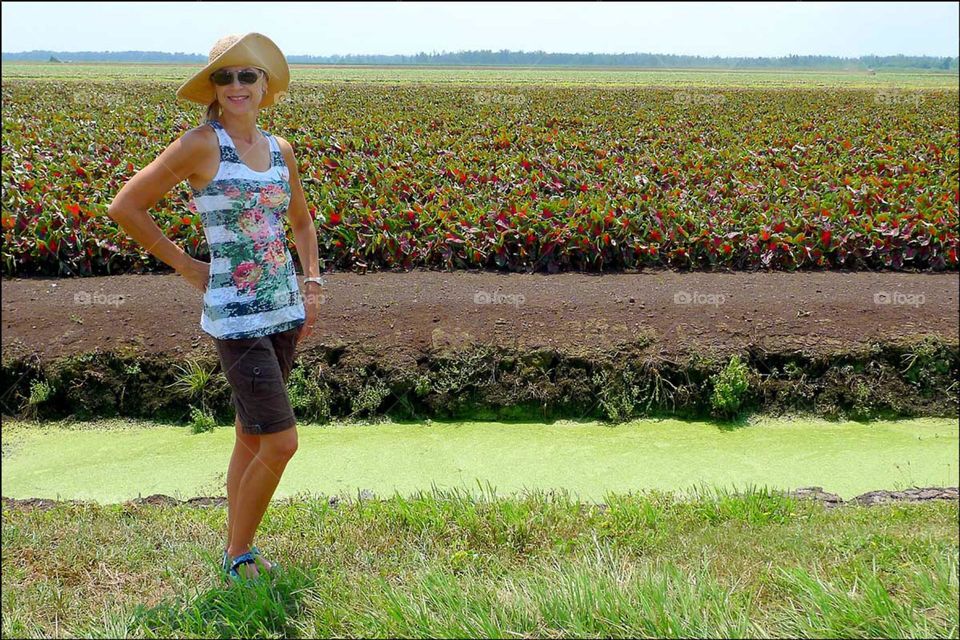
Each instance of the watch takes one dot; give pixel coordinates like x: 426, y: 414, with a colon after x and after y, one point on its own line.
x: 317, y: 279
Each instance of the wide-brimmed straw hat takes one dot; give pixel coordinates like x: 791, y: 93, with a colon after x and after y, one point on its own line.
x: 250, y: 50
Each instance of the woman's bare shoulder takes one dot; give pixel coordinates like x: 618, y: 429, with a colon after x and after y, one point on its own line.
x: 203, y: 145
x: 201, y: 135
x: 286, y: 149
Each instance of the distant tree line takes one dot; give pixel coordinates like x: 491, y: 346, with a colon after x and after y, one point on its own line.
x: 532, y: 58
x: 103, y: 56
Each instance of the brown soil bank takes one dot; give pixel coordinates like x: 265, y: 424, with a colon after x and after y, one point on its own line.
x: 493, y: 345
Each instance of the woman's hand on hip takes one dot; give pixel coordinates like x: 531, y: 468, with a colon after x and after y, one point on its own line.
x: 197, y: 273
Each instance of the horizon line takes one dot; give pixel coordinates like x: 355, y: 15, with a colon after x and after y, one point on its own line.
x: 513, y: 51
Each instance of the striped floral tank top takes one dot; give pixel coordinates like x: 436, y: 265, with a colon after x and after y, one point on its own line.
x: 252, y: 290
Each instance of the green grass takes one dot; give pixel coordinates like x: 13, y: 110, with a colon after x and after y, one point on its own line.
x: 467, y: 560
x: 446, y: 564
x: 116, y: 460
x: 516, y: 75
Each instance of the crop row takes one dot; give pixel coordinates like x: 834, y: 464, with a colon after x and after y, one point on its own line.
x: 516, y: 178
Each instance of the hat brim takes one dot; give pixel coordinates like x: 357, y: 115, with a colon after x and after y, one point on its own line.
x: 253, y: 49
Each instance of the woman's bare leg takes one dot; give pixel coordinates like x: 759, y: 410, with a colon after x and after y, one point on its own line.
x: 244, y: 451
x: 257, y: 486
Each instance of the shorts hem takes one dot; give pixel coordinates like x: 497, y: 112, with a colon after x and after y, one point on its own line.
x: 267, y: 428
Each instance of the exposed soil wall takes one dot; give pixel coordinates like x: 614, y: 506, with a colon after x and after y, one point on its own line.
x: 909, y: 377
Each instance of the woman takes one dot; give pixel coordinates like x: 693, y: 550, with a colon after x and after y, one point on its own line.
x: 244, y: 181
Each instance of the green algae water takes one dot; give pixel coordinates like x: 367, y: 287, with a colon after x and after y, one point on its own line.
x: 117, y: 460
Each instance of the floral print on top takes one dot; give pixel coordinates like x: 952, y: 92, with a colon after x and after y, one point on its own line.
x: 252, y: 290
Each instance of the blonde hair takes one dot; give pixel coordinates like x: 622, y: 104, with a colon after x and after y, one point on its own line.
x: 213, y: 110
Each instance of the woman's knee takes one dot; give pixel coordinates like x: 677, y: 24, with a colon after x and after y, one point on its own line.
x: 280, y: 445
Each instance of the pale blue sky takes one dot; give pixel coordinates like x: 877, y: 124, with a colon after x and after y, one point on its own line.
x: 729, y: 29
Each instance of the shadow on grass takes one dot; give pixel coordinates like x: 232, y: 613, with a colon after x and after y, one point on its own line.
x: 265, y: 607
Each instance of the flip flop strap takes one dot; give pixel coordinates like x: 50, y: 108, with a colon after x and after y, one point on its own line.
x: 244, y: 558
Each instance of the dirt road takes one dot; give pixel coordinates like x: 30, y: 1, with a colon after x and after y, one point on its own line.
x: 406, y: 313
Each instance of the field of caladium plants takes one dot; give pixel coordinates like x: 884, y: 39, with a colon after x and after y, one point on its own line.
x: 517, y: 177
x: 631, y: 435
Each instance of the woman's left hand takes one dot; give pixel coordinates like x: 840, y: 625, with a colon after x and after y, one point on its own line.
x: 312, y: 300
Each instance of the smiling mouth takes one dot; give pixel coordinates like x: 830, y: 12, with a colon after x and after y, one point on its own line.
x: 238, y: 98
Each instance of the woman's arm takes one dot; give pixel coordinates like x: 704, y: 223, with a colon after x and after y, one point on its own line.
x: 304, y: 236
x: 142, y: 192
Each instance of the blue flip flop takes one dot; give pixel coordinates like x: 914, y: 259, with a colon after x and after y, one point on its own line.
x: 225, y: 561
x: 256, y: 552
x: 243, y: 558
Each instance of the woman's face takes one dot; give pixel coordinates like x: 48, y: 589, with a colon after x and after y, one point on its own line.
x: 239, y: 98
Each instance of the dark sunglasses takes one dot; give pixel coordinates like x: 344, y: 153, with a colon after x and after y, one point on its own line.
x: 224, y: 77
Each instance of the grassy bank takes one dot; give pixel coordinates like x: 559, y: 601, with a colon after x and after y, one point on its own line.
x: 443, y: 564
x: 907, y: 377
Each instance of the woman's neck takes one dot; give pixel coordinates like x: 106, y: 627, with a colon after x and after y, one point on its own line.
x: 243, y: 127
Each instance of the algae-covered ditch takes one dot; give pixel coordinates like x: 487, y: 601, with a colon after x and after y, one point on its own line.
x: 114, y: 461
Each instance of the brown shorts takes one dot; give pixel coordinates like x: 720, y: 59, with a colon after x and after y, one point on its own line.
x: 257, y: 370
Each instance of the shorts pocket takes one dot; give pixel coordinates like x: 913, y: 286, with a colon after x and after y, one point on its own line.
x: 265, y: 381
x: 238, y: 362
